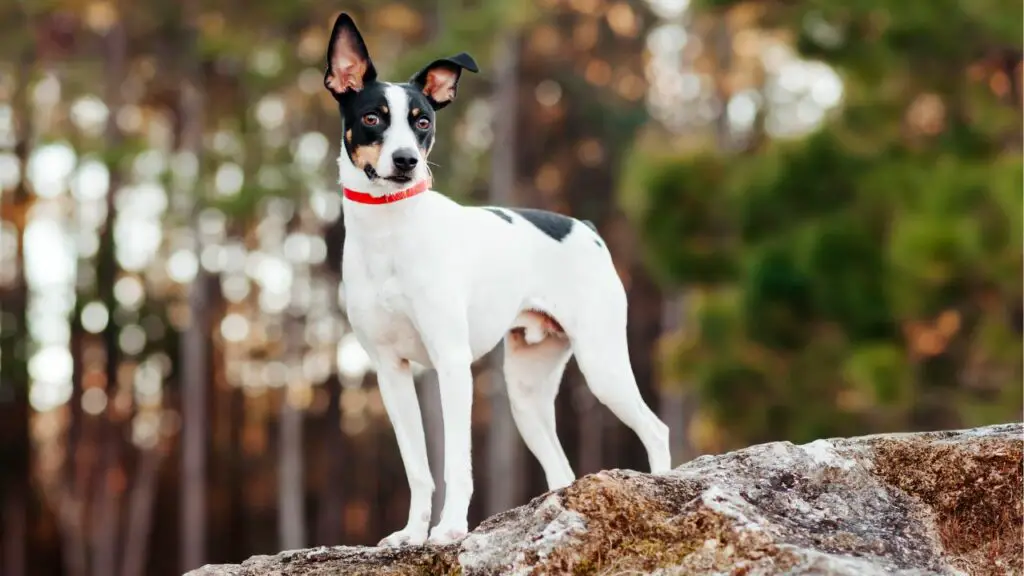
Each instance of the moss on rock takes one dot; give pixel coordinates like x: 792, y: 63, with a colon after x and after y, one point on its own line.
x: 639, y: 523
x: 975, y: 490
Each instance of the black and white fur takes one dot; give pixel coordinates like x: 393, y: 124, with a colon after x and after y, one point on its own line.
x: 433, y: 282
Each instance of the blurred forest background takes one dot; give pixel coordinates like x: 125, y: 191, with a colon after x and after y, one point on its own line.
x: 816, y: 208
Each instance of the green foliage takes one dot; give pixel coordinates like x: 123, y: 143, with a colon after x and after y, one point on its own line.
x: 869, y: 274
x: 777, y: 298
x: 846, y: 270
x: 688, y: 233
x: 780, y: 193
x: 880, y: 372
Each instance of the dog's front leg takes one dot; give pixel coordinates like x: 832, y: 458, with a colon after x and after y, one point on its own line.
x: 456, y: 386
x: 399, y: 395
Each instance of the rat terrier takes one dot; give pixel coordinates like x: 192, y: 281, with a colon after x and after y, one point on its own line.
x: 433, y: 282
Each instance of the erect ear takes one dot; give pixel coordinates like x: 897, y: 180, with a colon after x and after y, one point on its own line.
x: 439, y: 80
x: 349, y: 68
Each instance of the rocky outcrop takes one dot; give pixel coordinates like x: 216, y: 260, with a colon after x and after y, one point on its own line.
x: 929, y: 503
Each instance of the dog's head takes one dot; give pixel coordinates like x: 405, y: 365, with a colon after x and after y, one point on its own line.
x: 388, y: 127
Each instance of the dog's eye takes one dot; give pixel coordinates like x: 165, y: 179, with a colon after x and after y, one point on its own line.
x: 371, y: 119
x: 423, y: 123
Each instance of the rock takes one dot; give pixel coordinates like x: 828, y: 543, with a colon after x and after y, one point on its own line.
x: 909, y: 504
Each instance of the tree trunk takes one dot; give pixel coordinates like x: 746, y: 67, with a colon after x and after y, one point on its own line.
x: 329, y: 528
x: 291, y: 517
x: 237, y: 479
x: 15, y: 451
x: 676, y: 403
x: 590, y: 417
x: 504, y: 469
x: 15, y: 518
x: 108, y: 489
x: 291, y: 463
x: 194, y: 343
x: 71, y: 488
x: 140, y: 513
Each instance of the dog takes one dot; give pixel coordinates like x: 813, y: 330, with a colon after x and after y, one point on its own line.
x: 430, y: 281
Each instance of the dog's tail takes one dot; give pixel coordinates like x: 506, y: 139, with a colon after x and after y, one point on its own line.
x: 597, y: 236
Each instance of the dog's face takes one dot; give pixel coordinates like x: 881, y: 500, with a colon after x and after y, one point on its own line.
x: 388, y: 127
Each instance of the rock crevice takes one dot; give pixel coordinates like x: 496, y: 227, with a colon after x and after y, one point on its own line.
x: 924, y: 503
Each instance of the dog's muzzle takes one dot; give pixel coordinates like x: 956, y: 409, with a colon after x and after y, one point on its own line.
x: 404, y: 162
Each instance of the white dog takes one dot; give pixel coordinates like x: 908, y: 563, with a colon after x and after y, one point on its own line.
x: 430, y: 281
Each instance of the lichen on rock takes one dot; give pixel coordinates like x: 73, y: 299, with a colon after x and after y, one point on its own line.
x: 910, y: 504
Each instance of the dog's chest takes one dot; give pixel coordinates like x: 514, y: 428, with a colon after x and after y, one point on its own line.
x: 378, y: 300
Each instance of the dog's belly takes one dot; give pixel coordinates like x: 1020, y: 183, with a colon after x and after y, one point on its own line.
x: 391, y: 328
x: 382, y: 319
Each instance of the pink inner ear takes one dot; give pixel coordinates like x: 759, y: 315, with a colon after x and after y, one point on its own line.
x: 347, y: 67
x: 440, y: 84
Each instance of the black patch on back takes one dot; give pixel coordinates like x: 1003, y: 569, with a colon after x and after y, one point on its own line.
x: 500, y: 214
x: 554, y: 225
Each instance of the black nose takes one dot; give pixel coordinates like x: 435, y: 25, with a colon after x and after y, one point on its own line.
x: 405, y: 159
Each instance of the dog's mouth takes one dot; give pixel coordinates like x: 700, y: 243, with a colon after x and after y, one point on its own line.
x: 402, y: 178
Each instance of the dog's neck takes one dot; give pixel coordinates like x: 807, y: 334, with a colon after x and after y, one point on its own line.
x: 371, y: 218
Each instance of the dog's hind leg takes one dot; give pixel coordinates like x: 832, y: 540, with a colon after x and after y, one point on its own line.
x: 533, y: 373
x: 603, y: 356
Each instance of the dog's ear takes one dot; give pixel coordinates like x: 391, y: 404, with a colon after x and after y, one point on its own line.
x: 439, y: 80
x: 349, y: 68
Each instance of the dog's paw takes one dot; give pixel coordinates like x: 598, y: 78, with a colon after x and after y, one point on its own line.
x: 442, y: 534
x: 406, y: 537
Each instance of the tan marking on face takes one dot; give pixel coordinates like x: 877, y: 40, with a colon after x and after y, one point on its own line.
x: 348, y: 135
x: 415, y: 112
x: 347, y: 66
x: 366, y: 155
x: 384, y: 109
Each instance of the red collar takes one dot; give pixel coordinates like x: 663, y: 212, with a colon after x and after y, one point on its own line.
x: 364, y: 198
